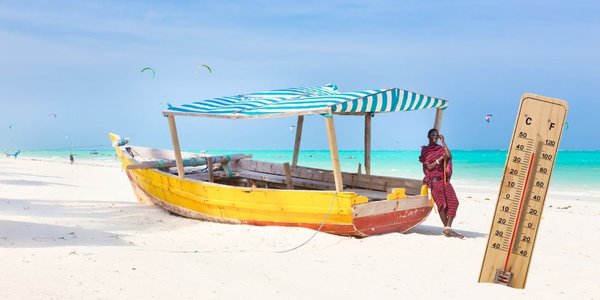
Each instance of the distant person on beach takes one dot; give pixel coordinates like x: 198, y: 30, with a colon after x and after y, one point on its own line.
x: 71, y: 158
x: 437, y: 166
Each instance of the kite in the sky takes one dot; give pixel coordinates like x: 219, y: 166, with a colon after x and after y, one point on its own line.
x: 11, y: 126
x: 567, y: 125
x: 488, y: 118
x: 205, y: 66
x: 52, y: 115
x: 148, y: 68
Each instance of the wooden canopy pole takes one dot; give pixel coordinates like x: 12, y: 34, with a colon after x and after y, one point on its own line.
x: 368, y: 144
x: 297, y: 141
x: 176, y: 149
x: 288, y: 176
x: 335, y: 158
x: 209, y: 166
x: 439, y: 115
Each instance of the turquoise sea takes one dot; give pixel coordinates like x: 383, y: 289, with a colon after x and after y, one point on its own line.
x: 573, y: 170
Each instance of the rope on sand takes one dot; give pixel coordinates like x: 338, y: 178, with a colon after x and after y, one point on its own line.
x: 318, y: 230
x: 281, y: 251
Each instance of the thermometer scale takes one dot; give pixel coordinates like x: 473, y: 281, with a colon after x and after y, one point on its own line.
x: 531, y: 157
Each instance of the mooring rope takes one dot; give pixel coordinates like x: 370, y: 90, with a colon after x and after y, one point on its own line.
x: 318, y: 230
x: 245, y: 251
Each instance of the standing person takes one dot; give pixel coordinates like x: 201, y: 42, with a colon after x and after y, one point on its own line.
x: 71, y: 158
x: 437, y: 166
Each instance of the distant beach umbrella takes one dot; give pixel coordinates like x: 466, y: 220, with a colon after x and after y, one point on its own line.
x: 149, y: 69
x: 488, y: 117
x: 204, y: 66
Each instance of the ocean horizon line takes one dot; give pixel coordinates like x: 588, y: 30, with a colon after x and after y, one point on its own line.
x: 106, y: 148
x: 579, y: 169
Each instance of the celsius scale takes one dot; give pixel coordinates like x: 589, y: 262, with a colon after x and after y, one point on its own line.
x: 523, y: 190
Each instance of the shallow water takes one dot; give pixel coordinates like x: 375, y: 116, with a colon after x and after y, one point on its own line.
x: 576, y: 170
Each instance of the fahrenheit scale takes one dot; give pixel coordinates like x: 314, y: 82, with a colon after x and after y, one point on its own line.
x: 527, y: 173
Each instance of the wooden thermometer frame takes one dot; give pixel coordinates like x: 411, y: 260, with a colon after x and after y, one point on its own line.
x: 527, y: 172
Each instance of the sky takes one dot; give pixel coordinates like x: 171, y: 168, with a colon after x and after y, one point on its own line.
x: 81, y: 60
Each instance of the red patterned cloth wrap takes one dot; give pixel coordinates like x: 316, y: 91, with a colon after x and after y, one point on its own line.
x: 441, y: 189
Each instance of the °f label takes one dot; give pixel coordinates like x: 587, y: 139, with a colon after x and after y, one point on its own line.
x: 523, y: 190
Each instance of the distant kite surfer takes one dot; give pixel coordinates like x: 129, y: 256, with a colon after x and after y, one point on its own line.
x: 488, y: 117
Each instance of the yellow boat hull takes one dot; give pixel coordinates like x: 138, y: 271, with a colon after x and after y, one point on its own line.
x: 344, y: 213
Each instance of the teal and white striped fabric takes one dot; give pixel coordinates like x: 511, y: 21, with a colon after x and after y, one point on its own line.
x: 308, y: 100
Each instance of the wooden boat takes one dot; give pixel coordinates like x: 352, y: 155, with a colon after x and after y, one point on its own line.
x: 13, y: 154
x: 239, y: 190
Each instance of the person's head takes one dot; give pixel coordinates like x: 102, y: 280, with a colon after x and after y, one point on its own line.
x: 432, y: 135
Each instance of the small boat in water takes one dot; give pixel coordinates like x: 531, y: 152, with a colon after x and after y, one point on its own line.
x: 93, y: 152
x: 13, y: 154
x: 239, y: 190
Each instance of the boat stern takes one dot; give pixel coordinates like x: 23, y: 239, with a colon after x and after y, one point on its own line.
x: 393, y: 215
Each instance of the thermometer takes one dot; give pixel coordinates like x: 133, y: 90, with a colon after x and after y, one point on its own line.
x: 531, y: 156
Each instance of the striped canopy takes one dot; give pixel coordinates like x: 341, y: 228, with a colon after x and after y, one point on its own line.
x: 308, y: 100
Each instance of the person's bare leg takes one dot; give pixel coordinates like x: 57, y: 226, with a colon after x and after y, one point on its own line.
x: 444, y: 217
x: 448, y: 229
x: 447, y: 223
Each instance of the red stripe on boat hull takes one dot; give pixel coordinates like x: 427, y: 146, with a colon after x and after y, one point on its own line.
x: 397, y: 221
x: 339, y: 229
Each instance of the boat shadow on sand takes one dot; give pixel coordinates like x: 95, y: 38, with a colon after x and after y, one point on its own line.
x: 436, y: 230
x: 19, y: 234
x: 11, y: 174
x: 79, y: 223
x: 25, y: 182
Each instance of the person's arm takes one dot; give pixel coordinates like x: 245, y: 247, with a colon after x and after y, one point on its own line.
x: 430, y: 166
x: 448, y: 155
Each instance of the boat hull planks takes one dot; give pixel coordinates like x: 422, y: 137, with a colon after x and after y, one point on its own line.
x: 345, y: 213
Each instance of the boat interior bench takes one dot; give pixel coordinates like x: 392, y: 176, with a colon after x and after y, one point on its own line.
x: 360, y: 182
x: 370, y: 194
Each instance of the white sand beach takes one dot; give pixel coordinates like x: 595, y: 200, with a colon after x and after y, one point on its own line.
x: 77, y: 232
